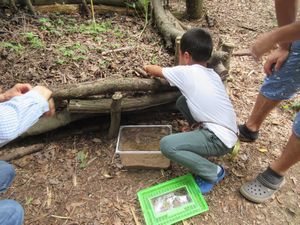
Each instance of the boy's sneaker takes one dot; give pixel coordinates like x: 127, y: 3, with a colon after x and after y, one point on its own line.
x: 247, y: 135
x: 206, y: 186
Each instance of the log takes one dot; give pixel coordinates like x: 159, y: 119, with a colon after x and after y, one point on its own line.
x: 128, y: 104
x: 115, y: 115
x: 17, y: 153
x: 46, y: 124
x: 165, y: 25
x: 120, y: 3
x: 75, y: 9
x: 109, y: 85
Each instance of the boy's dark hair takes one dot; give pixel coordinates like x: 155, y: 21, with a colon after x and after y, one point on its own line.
x: 198, y: 43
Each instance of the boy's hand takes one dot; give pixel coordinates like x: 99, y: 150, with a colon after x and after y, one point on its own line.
x: 154, y: 70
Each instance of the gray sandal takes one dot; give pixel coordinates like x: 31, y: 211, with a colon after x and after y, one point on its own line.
x: 259, y: 190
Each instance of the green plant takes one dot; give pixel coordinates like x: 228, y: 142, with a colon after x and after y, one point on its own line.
x: 296, y: 106
x: 34, y: 40
x: 16, y: 47
x: 118, y: 33
x: 60, y: 61
x: 145, y: 12
x: 154, y: 60
x: 82, y: 159
x: 28, y: 200
x: 75, y: 52
x: 92, y: 29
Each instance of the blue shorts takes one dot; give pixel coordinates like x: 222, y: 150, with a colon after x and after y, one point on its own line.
x: 285, y: 83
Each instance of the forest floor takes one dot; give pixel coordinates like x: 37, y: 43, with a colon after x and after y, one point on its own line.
x: 55, y: 188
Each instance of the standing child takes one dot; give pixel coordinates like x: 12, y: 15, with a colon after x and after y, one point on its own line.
x: 204, y: 100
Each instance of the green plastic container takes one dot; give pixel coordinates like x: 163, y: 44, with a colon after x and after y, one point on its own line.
x: 172, y: 201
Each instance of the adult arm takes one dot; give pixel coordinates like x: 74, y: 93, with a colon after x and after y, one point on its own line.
x: 283, y: 34
x: 21, y: 112
x: 16, y: 90
x: 286, y: 11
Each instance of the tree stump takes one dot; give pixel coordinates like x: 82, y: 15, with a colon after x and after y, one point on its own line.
x: 115, y: 115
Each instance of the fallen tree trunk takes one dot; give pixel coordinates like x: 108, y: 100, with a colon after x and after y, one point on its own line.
x: 80, y: 109
x: 46, y: 124
x: 109, y: 85
x: 128, y: 104
x: 75, y: 8
x: 120, y: 3
x: 20, y: 152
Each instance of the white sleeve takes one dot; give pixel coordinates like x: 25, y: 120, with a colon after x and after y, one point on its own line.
x: 20, y: 113
x: 175, y: 75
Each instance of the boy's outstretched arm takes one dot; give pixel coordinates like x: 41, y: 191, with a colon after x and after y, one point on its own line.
x: 154, y: 70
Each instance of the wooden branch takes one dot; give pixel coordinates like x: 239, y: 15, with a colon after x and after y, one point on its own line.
x: 17, y: 153
x: 108, y: 85
x: 128, y: 48
x: 128, y: 104
x: 115, y: 115
x: 243, y: 52
x: 30, y: 7
x: 46, y: 124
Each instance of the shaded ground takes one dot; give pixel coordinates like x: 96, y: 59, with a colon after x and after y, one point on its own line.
x: 54, y: 189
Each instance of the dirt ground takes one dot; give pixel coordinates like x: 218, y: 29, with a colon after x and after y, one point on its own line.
x: 77, y: 179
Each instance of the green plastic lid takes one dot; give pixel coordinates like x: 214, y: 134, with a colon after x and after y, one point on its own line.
x: 172, y: 201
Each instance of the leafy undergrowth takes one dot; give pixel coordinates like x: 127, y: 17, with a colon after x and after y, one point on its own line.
x: 55, y: 49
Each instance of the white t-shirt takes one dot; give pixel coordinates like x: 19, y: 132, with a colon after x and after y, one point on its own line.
x: 206, y: 98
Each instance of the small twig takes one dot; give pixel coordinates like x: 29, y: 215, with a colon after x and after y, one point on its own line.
x: 92, y: 160
x: 250, y: 73
x: 247, y: 28
x: 118, y: 50
x: 244, y: 52
x: 61, y: 217
x: 134, y: 216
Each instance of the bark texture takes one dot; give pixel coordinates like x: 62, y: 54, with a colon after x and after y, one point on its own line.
x: 194, y: 8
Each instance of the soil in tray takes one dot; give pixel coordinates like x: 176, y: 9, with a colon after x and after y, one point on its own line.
x: 142, y: 138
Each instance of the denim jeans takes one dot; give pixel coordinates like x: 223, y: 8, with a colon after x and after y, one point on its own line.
x: 11, y: 212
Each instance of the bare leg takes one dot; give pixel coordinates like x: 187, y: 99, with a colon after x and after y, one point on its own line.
x: 263, y: 106
x: 289, y: 156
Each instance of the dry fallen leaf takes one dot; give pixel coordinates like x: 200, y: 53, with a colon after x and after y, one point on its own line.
x: 263, y: 150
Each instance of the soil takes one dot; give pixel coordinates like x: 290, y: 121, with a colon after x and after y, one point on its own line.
x: 142, y: 138
x: 77, y: 179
